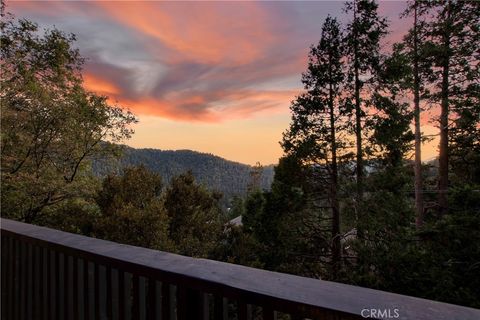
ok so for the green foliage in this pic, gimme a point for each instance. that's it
(282, 223)
(254, 213)
(455, 245)
(195, 216)
(317, 138)
(287, 224)
(391, 138)
(83, 221)
(441, 262)
(465, 140)
(132, 210)
(362, 52)
(135, 208)
(363, 35)
(237, 208)
(51, 126)
(239, 247)
(230, 178)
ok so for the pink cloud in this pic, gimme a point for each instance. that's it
(225, 33)
(213, 61)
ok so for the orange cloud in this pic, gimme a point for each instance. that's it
(221, 34)
(183, 64)
(209, 105)
(196, 108)
(245, 103)
(168, 110)
(96, 84)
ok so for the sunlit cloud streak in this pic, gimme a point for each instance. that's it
(187, 61)
(200, 64)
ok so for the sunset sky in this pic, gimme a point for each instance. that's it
(214, 77)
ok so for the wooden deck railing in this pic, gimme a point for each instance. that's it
(50, 274)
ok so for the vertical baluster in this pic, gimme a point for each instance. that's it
(48, 284)
(181, 303)
(66, 287)
(57, 299)
(35, 282)
(268, 313)
(13, 256)
(16, 283)
(152, 300)
(121, 295)
(76, 315)
(25, 284)
(193, 304)
(86, 289)
(165, 301)
(220, 308)
(11, 279)
(18, 280)
(21, 281)
(5, 259)
(142, 297)
(108, 284)
(128, 296)
(31, 287)
(13, 266)
(18, 277)
(41, 285)
(96, 276)
(206, 306)
(135, 297)
(244, 311)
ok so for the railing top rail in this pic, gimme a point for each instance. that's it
(247, 283)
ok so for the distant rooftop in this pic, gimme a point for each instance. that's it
(237, 221)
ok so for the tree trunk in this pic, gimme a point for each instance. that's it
(358, 135)
(418, 135)
(443, 156)
(358, 125)
(336, 246)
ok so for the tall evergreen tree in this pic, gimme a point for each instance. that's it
(391, 137)
(418, 134)
(408, 68)
(316, 120)
(452, 28)
(362, 43)
(443, 30)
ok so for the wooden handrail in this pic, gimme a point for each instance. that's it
(31, 261)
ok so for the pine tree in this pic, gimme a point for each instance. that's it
(313, 136)
(452, 28)
(418, 134)
(413, 68)
(132, 210)
(194, 214)
(464, 125)
(362, 43)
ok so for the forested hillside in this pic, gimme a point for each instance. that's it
(350, 200)
(218, 174)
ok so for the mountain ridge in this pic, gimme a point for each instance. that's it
(231, 178)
